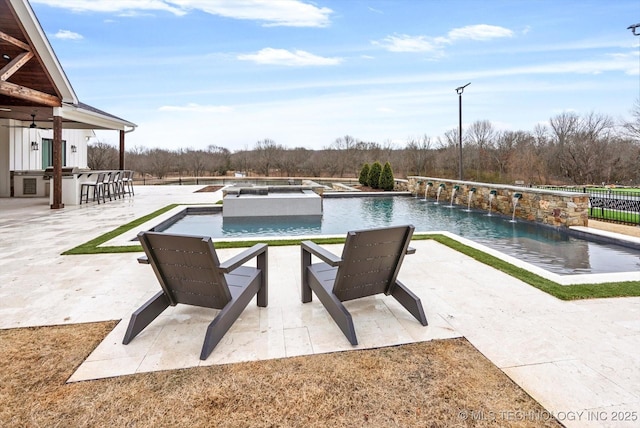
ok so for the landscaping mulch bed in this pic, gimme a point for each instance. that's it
(209, 189)
(440, 383)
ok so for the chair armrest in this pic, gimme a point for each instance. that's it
(237, 261)
(143, 260)
(326, 256)
(410, 250)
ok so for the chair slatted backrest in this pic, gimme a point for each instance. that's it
(115, 181)
(371, 260)
(187, 268)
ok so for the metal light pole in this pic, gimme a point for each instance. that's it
(635, 29)
(459, 91)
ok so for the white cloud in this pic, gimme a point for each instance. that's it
(406, 43)
(290, 13)
(479, 32)
(67, 35)
(574, 67)
(193, 107)
(295, 58)
(120, 6)
(626, 58)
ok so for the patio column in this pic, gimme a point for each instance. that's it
(57, 162)
(121, 149)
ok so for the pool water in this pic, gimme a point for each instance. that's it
(550, 248)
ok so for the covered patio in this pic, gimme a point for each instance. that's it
(37, 97)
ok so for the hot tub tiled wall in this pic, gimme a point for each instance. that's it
(549, 207)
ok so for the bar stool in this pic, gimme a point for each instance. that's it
(97, 187)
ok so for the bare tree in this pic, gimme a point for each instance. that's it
(240, 160)
(388, 147)
(349, 160)
(195, 162)
(293, 160)
(480, 138)
(313, 164)
(506, 143)
(561, 126)
(161, 162)
(564, 126)
(623, 166)
(267, 154)
(101, 155)
(137, 160)
(331, 162)
(526, 157)
(218, 160)
(366, 152)
(179, 163)
(418, 156)
(632, 128)
(583, 146)
(447, 155)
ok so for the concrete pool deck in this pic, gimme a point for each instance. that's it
(580, 359)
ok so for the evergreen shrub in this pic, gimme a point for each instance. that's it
(386, 177)
(374, 175)
(364, 175)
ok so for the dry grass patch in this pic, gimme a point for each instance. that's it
(422, 384)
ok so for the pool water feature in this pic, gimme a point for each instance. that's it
(552, 249)
(267, 201)
(469, 198)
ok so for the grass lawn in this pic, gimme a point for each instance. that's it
(614, 215)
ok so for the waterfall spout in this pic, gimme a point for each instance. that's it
(453, 195)
(426, 189)
(471, 192)
(438, 193)
(492, 195)
(515, 199)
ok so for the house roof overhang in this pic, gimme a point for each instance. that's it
(32, 81)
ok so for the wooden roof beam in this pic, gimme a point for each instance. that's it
(14, 41)
(17, 91)
(15, 64)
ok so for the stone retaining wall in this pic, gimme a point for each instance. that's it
(551, 207)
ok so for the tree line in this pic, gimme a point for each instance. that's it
(569, 149)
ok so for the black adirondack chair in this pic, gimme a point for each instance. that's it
(190, 273)
(369, 265)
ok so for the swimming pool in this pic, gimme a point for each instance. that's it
(552, 249)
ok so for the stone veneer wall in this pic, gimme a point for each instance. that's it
(554, 208)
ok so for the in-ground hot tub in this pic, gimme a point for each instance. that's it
(263, 201)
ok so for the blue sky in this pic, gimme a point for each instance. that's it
(192, 73)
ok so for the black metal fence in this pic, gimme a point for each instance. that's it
(609, 204)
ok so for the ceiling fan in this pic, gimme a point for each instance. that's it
(32, 125)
